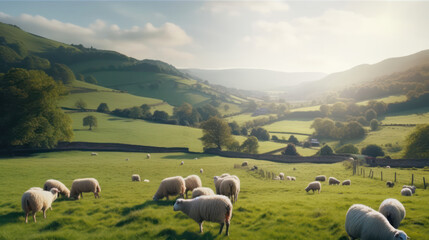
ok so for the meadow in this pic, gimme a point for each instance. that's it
(266, 209)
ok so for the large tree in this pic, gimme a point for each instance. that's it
(372, 150)
(62, 73)
(90, 121)
(418, 143)
(250, 145)
(29, 113)
(216, 133)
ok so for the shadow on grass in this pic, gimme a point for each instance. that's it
(11, 217)
(114, 119)
(172, 234)
(185, 156)
(127, 211)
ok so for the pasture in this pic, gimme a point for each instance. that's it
(266, 209)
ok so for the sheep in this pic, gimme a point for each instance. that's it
(94, 154)
(126, 159)
(321, 178)
(225, 175)
(289, 178)
(365, 223)
(201, 171)
(199, 191)
(148, 156)
(245, 164)
(406, 192)
(182, 162)
(191, 182)
(346, 183)
(254, 168)
(412, 188)
(207, 208)
(387, 166)
(282, 176)
(293, 178)
(277, 178)
(390, 184)
(230, 187)
(146, 180)
(135, 178)
(36, 200)
(171, 186)
(36, 189)
(218, 180)
(393, 210)
(79, 186)
(314, 186)
(294, 169)
(333, 181)
(52, 183)
(195, 158)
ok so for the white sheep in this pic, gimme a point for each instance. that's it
(393, 210)
(314, 186)
(214, 208)
(333, 181)
(245, 164)
(293, 178)
(36, 200)
(230, 187)
(36, 188)
(365, 223)
(346, 182)
(94, 154)
(387, 166)
(135, 178)
(182, 162)
(406, 192)
(282, 176)
(200, 191)
(201, 171)
(412, 188)
(390, 184)
(146, 180)
(148, 156)
(52, 183)
(195, 158)
(289, 178)
(171, 186)
(225, 175)
(277, 178)
(192, 182)
(321, 178)
(79, 186)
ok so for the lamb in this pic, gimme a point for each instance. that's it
(52, 183)
(314, 186)
(365, 223)
(201, 171)
(171, 186)
(321, 178)
(94, 154)
(277, 178)
(387, 166)
(135, 178)
(207, 208)
(245, 164)
(192, 182)
(393, 210)
(79, 186)
(199, 191)
(412, 188)
(36, 200)
(282, 176)
(230, 187)
(390, 184)
(148, 156)
(346, 183)
(146, 180)
(333, 181)
(406, 192)
(182, 162)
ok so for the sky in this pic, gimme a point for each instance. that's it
(289, 36)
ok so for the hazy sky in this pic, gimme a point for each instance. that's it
(324, 36)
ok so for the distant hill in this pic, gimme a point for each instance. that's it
(253, 79)
(356, 76)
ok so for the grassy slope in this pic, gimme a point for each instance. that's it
(266, 209)
(242, 118)
(294, 126)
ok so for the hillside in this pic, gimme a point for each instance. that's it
(357, 75)
(253, 79)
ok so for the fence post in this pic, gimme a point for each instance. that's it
(361, 171)
(424, 182)
(395, 176)
(381, 175)
(412, 179)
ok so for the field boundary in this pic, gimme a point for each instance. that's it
(404, 163)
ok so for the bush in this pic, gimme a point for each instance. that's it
(290, 150)
(261, 134)
(372, 150)
(274, 138)
(293, 139)
(374, 124)
(103, 108)
(326, 150)
(348, 148)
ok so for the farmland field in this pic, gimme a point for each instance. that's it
(266, 209)
(290, 126)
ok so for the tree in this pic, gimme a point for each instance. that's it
(90, 121)
(261, 134)
(184, 114)
(235, 129)
(372, 150)
(34, 62)
(146, 111)
(370, 114)
(293, 139)
(348, 148)
(103, 108)
(290, 150)
(226, 107)
(216, 133)
(352, 130)
(250, 145)
(244, 131)
(324, 127)
(339, 110)
(234, 146)
(326, 150)
(160, 116)
(91, 79)
(136, 113)
(80, 104)
(274, 138)
(61, 73)
(207, 111)
(417, 143)
(29, 113)
(374, 124)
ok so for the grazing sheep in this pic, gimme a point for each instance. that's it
(135, 178)
(218, 180)
(346, 183)
(182, 162)
(195, 158)
(245, 164)
(387, 166)
(94, 154)
(277, 178)
(294, 169)
(146, 180)
(282, 176)
(126, 159)
(36, 189)
(293, 178)
(406, 192)
(230, 187)
(225, 175)
(393, 210)
(148, 156)
(202, 191)
(390, 184)
(201, 171)
(36, 200)
(412, 188)
(52, 183)
(321, 178)
(314, 186)
(254, 168)
(79, 186)
(207, 208)
(192, 182)
(333, 181)
(171, 186)
(365, 223)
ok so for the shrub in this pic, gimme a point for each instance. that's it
(103, 108)
(290, 150)
(348, 148)
(372, 150)
(326, 150)
(374, 124)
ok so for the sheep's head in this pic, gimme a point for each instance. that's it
(401, 235)
(307, 189)
(54, 191)
(178, 205)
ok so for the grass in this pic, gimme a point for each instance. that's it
(290, 126)
(266, 209)
(421, 116)
(387, 100)
(245, 117)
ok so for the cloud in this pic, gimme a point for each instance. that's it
(236, 8)
(148, 41)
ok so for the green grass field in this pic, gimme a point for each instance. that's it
(293, 126)
(266, 209)
(245, 117)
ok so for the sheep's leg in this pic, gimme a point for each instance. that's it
(167, 198)
(81, 195)
(26, 217)
(227, 229)
(186, 194)
(221, 228)
(44, 213)
(34, 216)
(201, 227)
